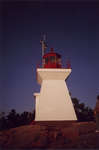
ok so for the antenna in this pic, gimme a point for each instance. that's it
(43, 43)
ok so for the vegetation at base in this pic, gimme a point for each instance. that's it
(84, 113)
(14, 119)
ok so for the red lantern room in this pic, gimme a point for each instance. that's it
(52, 60)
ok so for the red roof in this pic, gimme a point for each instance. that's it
(52, 54)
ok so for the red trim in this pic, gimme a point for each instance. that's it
(52, 65)
(52, 54)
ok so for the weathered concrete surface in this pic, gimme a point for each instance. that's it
(79, 135)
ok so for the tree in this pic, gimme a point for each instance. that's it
(83, 113)
(12, 118)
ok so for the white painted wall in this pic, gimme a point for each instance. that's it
(36, 96)
(53, 103)
(52, 74)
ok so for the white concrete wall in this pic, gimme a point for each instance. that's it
(36, 96)
(52, 74)
(54, 102)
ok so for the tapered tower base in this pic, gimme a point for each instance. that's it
(53, 103)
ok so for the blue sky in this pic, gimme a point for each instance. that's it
(72, 30)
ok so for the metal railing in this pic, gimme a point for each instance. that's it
(66, 66)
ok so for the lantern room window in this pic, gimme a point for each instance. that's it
(46, 60)
(52, 59)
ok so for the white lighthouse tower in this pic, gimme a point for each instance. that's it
(53, 103)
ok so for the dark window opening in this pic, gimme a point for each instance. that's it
(52, 59)
(46, 60)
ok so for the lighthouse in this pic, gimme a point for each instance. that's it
(53, 103)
